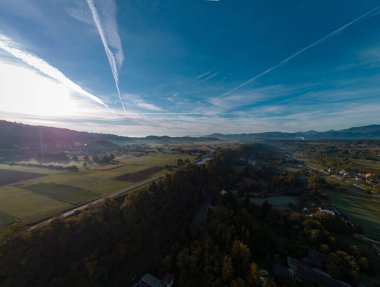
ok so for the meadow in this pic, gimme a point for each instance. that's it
(38, 193)
(362, 208)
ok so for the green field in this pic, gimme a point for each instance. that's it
(64, 193)
(7, 219)
(278, 202)
(27, 205)
(38, 193)
(362, 208)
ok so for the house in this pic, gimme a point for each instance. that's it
(317, 259)
(343, 173)
(368, 175)
(168, 280)
(308, 270)
(306, 211)
(280, 271)
(326, 211)
(203, 161)
(149, 280)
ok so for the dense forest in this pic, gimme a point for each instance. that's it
(158, 230)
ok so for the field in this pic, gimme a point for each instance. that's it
(28, 206)
(11, 176)
(368, 165)
(34, 194)
(108, 167)
(140, 175)
(278, 202)
(362, 208)
(64, 193)
(7, 219)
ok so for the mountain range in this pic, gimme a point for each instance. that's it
(12, 133)
(364, 132)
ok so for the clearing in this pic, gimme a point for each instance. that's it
(278, 202)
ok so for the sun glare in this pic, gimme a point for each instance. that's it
(25, 91)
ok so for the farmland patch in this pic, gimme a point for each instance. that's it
(140, 175)
(12, 176)
(64, 193)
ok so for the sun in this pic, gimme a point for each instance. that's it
(25, 91)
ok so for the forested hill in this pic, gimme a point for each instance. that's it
(12, 133)
(364, 132)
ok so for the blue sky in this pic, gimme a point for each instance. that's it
(190, 67)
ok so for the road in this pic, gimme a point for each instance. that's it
(369, 240)
(88, 204)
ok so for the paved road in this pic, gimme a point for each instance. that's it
(88, 204)
(370, 240)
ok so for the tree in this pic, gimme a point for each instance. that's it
(363, 263)
(227, 268)
(241, 254)
(254, 275)
(343, 266)
(180, 162)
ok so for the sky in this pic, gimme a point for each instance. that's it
(190, 67)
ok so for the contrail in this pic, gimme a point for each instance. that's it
(109, 53)
(44, 67)
(303, 50)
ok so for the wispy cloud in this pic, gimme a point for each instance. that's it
(7, 45)
(203, 75)
(208, 77)
(138, 102)
(108, 32)
(371, 13)
(147, 106)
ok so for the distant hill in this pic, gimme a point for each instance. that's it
(365, 132)
(12, 134)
